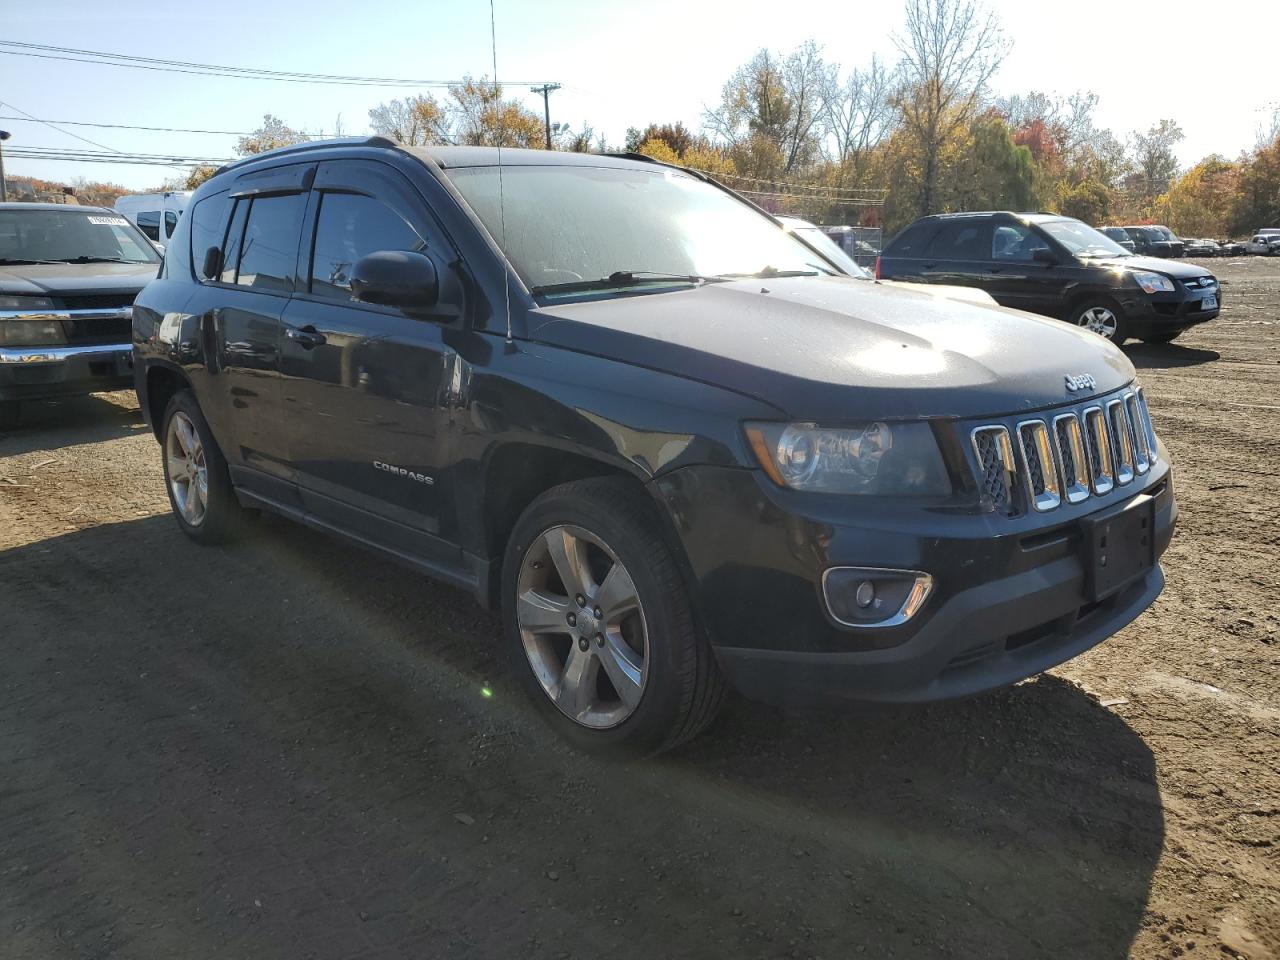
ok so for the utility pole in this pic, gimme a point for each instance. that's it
(545, 90)
(4, 187)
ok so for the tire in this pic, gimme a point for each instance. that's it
(1162, 337)
(1092, 314)
(605, 523)
(212, 515)
(10, 414)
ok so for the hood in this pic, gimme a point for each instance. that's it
(948, 291)
(835, 348)
(1170, 268)
(75, 279)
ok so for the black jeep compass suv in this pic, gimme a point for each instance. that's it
(1058, 267)
(667, 440)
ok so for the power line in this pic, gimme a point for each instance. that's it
(52, 127)
(126, 126)
(77, 55)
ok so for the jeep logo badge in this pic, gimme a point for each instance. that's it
(1080, 381)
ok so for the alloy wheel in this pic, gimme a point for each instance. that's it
(582, 626)
(188, 472)
(1100, 320)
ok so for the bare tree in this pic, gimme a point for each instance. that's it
(949, 54)
(859, 109)
(273, 133)
(413, 121)
(776, 101)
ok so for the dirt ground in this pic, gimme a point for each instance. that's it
(285, 749)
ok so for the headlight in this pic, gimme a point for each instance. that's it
(31, 333)
(869, 458)
(1154, 282)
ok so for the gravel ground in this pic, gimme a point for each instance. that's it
(284, 749)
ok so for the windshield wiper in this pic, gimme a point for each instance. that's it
(772, 273)
(89, 259)
(19, 260)
(622, 278)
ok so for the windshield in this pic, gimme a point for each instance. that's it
(1082, 240)
(816, 238)
(574, 223)
(65, 234)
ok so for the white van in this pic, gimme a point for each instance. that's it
(155, 214)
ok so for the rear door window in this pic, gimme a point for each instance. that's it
(170, 222)
(269, 248)
(964, 240)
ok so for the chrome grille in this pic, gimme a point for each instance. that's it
(1098, 440)
(1122, 441)
(1138, 434)
(1072, 457)
(1081, 452)
(1037, 457)
(998, 470)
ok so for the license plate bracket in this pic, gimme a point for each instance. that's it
(1118, 546)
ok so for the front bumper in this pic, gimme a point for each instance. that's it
(1168, 312)
(31, 373)
(1009, 597)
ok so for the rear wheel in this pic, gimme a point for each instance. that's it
(10, 414)
(195, 474)
(599, 625)
(1102, 317)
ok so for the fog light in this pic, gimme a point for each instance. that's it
(866, 593)
(874, 597)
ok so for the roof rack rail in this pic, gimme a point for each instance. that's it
(304, 146)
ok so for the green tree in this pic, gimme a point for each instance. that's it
(1154, 161)
(1088, 200)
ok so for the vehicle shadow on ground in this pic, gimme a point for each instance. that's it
(1168, 356)
(51, 424)
(287, 748)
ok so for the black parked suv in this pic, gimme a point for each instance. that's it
(667, 440)
(68, 276)
(1058, 267)
(1151, 242)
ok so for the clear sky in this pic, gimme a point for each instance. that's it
(1210, 66)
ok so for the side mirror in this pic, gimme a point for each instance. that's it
(212, 265)
(396, 278)
(1044, 255)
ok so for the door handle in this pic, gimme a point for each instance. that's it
(307, 337)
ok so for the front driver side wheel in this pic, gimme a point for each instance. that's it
(599, 625)
(1102, 317)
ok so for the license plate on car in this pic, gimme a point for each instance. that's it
(1119, 546)
(1209, 303)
